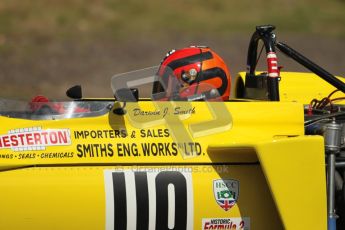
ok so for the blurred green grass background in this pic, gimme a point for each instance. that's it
(48, 45)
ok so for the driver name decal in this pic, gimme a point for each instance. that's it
(35, 138)
(178, 110)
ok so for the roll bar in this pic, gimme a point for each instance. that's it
(318, 70)
(266, 35)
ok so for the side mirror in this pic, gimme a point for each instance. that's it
(127, 95)
(74, 92)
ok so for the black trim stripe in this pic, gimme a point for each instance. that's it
(190, 60)
(217, 73)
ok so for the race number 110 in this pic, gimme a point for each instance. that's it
(148, 200)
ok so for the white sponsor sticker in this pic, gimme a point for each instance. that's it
(35, 138)
(237, 223)
(149, 199)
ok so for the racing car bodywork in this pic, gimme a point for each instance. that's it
(127, 164)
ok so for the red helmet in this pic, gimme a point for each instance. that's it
(193, 73)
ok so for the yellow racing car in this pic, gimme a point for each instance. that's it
(187, 157)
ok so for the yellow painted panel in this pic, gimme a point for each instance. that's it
(75, 197)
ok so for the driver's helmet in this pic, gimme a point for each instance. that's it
(193, 74)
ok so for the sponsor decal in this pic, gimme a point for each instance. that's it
(226, 192)
(100, 134)
(157, 148)
(237, 223)
(35, 138)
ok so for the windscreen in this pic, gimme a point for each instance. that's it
(53, 109)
